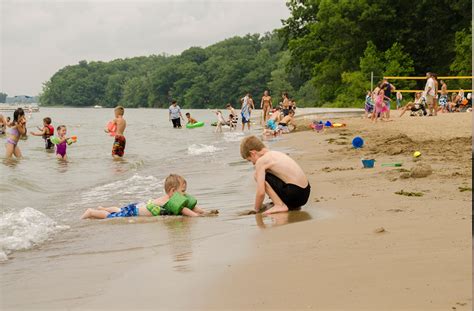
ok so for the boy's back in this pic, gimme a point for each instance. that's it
(121, 125)
(284, 167)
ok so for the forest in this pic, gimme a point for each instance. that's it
(323, 55)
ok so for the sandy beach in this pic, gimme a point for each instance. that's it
(380, 250)
(364, 248)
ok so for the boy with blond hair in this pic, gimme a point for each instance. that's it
(277, 175)
(118, 148)
(175, 202)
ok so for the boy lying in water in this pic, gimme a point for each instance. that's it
(277, 175)
(174, 202)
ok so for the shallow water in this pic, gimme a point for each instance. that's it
(42, 198)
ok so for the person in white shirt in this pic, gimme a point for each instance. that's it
(175, 114)
(430, 92)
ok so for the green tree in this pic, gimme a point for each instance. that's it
(462, 64)
(279, 79)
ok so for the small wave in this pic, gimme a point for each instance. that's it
(233, 136)
(25, 229)
(197, 149)
(133, 188)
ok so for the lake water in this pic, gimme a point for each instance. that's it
(42, 198)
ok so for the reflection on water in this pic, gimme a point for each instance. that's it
(11, 162)
(280, 219)
(180, 238)
(62, 165)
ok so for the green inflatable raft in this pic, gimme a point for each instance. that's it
(197, 124)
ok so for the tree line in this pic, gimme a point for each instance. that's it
(323, 54)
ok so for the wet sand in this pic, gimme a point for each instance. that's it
(360, 246)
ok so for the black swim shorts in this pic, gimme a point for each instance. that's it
(292, 195)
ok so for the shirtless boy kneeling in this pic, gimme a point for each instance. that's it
(277, 175)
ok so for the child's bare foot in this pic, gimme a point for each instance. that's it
(276, 209)
(266, 206)
(86, 214)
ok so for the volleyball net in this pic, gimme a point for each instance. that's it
(424, 78)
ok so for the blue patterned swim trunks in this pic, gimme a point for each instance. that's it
(130, 210)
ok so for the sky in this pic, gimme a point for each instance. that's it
(40, 37)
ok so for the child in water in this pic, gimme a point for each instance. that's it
(61, 146)
(191, 120)
(175, 189)
(271, 128)
(47, 131)
(118, 148)
(277, 175)
(14, 130)
(220, 121)
(286, 121)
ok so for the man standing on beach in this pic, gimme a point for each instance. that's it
(429, 92)
(443, 99)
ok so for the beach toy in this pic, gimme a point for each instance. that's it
(319, 127)
(111, 127)
(197, 124)
(416, 154)
(176, 203)
(338, 125)
(191, 201)
(328, 124)
(368, 163)
(71, 140)
(357, 142)
(55, 140)
(397, 164)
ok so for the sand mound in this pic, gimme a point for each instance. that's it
(421, 170)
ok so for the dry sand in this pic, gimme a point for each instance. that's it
(372, 250)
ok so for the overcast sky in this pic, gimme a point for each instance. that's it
(40, 37)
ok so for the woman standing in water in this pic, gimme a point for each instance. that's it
(266, 105)
(175, 115)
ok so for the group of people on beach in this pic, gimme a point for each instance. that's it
(432, 100)
(276, 120)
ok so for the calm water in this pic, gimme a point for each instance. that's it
(42, 198)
